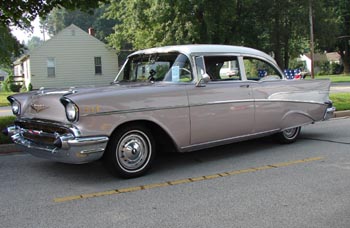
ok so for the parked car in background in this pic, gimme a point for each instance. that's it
(164, 97)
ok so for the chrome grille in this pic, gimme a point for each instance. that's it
(41, 132)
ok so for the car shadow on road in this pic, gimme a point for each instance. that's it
(164, 164)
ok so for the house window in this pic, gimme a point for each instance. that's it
(51, 65)
(98, 65)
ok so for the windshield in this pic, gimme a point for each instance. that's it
(172, 67)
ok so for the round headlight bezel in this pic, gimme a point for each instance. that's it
(15, 106)
(71, 109)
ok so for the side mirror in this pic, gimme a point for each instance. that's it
(204, 80)
(204, 77)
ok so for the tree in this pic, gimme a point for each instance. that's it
(60, 18)
(21, 13)
(342, 10)
(9, 46)
(271, 25)
(146, 23)
(34, 42)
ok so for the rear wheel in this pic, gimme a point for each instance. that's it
(130, 151)
(289, 135)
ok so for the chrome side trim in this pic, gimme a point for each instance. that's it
(289, 101)
(195, 105)
(225, 102)
(204, 145)
(134, 110)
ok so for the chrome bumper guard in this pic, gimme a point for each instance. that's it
(329, 111)
(65, 148)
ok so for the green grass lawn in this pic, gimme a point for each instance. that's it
(341, 101)
(334, 78)
(3, 98)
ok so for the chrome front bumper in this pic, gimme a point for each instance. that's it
(66, 148)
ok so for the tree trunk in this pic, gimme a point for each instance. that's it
(346, 63)
(344, 51)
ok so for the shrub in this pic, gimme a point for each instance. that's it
(15, 87)
(336, 68)
(5, 84)
(9, 85)
(4, 122)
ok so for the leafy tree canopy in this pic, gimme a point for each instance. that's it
(280, 27)
(60, 18)
(9, 46)
(20, 13)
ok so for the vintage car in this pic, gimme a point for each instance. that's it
(168, 97)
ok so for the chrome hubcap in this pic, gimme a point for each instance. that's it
(290, 133)
(133, 150)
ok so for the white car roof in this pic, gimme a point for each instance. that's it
(205, 48)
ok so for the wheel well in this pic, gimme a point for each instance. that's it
(164, 143)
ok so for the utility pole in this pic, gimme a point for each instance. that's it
(311, 39)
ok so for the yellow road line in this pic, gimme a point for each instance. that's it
(184, 181)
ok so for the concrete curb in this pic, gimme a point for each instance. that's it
(9, 149)
(12, 148)
(338, 114)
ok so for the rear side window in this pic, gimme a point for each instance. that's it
(257, 69)
(221, 68)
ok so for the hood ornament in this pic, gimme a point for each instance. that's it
(38, 107)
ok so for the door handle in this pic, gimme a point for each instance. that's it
(244, 86)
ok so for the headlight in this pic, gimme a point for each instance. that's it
(72, 110)
(15, 106)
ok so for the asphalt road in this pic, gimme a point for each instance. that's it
(257, 183)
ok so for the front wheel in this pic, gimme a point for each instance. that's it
(289, 135)
(130, 151)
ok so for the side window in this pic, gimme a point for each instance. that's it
(222, 68)
(257, 69)
(98, 65)
(51, 67)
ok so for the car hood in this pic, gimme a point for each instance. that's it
(46, 103)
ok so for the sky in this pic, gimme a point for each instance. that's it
(23, 35)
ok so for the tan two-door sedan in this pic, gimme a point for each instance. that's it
(189, 97)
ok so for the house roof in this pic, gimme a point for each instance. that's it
(21, 59)
(333, 56)
(318, 57)
(72, 26)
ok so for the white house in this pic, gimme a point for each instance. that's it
(3, 75)
(319, 59)
(71, 58)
